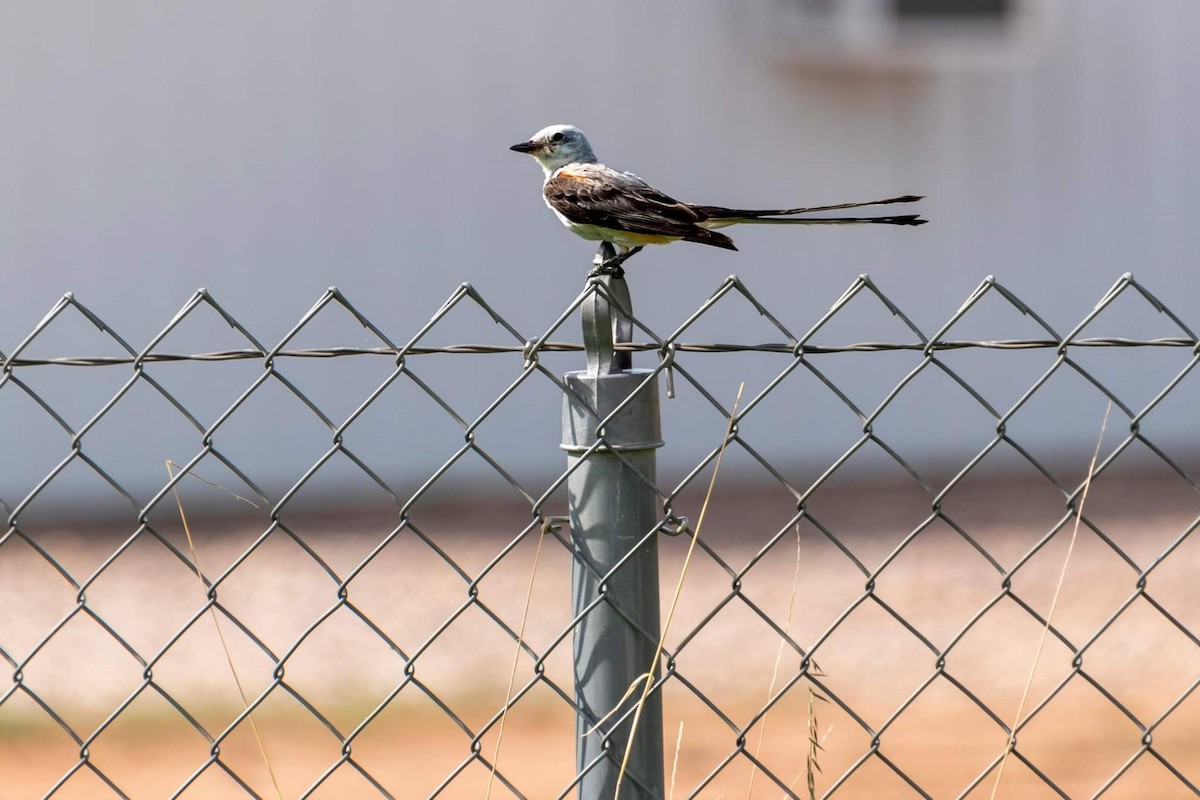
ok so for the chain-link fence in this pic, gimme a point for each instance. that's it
(377, 617)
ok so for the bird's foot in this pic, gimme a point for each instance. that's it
(612, 266)
(608, 268)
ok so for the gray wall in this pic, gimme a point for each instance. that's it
(266, 151)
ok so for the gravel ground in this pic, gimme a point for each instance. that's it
(871, 662)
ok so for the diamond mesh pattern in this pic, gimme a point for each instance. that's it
(909, 608)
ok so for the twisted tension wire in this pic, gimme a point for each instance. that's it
(782, 348)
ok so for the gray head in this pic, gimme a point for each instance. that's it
(557, 146)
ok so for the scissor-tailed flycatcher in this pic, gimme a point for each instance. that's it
(601, 204)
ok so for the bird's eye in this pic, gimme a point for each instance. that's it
(557, 137)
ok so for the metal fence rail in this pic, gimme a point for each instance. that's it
(866, 697)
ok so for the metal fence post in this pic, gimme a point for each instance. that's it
(614, 578)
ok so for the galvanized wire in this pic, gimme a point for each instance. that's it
(675, 352)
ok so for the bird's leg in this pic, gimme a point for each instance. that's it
(626, 253)
(611, 265)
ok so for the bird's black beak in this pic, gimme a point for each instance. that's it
(524, 147)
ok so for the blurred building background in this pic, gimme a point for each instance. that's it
(266, 151)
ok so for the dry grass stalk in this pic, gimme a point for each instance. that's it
(1087, 484)
(171, 465)
(646, 680)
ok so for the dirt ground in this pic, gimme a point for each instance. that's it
(933, 720)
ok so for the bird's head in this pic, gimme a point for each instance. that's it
(557, 146)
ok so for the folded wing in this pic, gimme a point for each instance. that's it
(592, 194)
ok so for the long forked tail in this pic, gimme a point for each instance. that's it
(718, 217)
(902, 219)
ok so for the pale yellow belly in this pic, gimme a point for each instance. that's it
(595, 233)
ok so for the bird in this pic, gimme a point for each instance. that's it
(601, 204)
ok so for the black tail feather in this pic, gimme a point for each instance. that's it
(902, 219)
(719, 212)
(704, 236)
